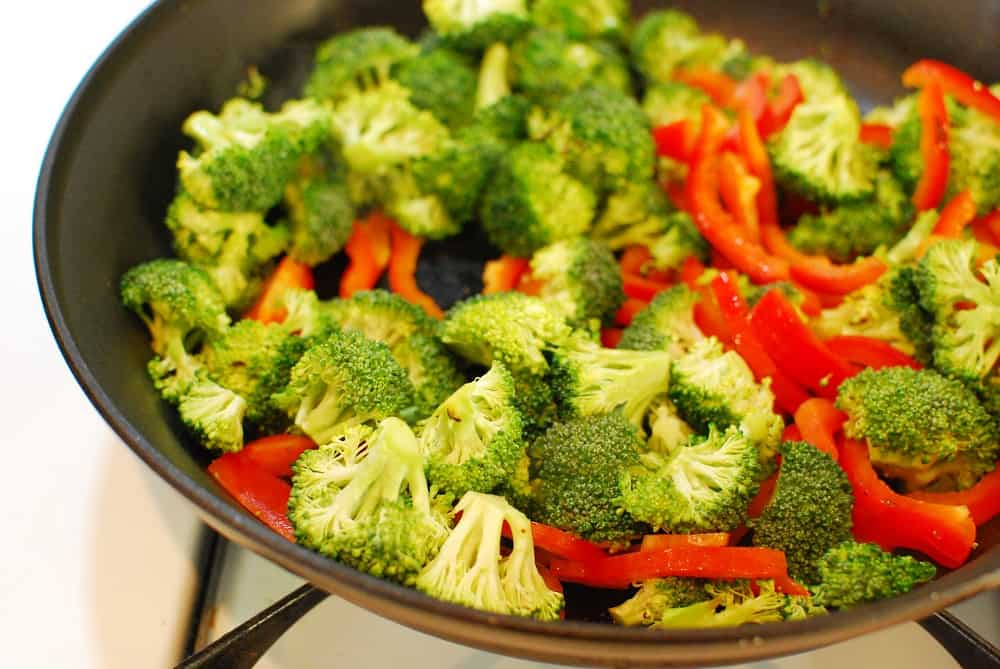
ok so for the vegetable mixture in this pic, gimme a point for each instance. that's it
(736, 357)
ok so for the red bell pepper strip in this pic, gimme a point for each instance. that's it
(759, 164)
(628, 310)
(946, 534)
(794, 348)
(782, 106)
(986, 229)
(708, 317)
(791, 433)
(827, 277)
(876, 134)
(276, 454)
(869, 352)
(503, 274)
(717, 85)
(560, 543)
(722, 562)
(676, 140)
(811, 304)
(953, 82)
(819, 421)
(364, 249)
(641, 288)
(288, 274)
(763, 496)
(262, 494)
(739, 191)
(933, 148)
(551, 582)
(958, 213)
(691, 271)
(402, 271)
(677, 193)
(610, 337)
(652, 542)
(634, 259)
(982, 499)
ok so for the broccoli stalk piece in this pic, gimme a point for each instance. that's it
(852, 573)
(475, 24)
(974, 148)
(731, 604)
(667, 41)
(441, 81)
(213, 414)
(584, 19)
(494, 76)
(703, 486)
(470, 570)
(473, 440)
(655, 597)
(581, 280)
(667, 324)
(667, 432)
(353, 508)
(343, 381)
(356, 61)
(320, 212)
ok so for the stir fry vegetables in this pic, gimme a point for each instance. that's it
(736, 348)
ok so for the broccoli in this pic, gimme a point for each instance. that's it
(473, 440)
(493, 83)
(470, 569)
(603, 135)
(518, 488)
(305, 314)
(809, 512)
(343, 381)
(734, 603)
(442, 82)
(671, 101)
(852, 573)
(858, 228)
(666, 41)
(703, 486)
(974, 149)
(667, 324)
(245, 156)
(353, 509)
(905, 250)
(921, 427)
(475, 24)
(580, 279)
(874, 311)
(213, 414)
(182, 309)
(532, 202)
(547, 65)
(640, 214)
(506, 119)
(667, 432)
(577, 483)
(656, 596)
(356, 61)
(590, 379)
(320, 212)
(817, 79)
(535, 399)
(513, 328)
(965, 311)
(584, 19)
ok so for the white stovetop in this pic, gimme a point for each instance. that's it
(99, 567)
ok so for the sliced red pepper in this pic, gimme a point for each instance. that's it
(708, 317)
(986, 229)
(739, 190)
(877, 134)
(828, 277)
(933, 148)
(954, 82)
(751, 94)
(402, 271)
(652, 542)
(262, 494)
(560, 543)
(276, 454)
(610, 337)
(958, 213)
(676, 140)
(722, 562)
(551, 582)
(717, 85)
(628, 310)
(677, 193)
(777, 243)
(759, 164)
(946, 534)
(794, 347)
(791, 433)
(634, 259)
(819, 421)
(982, 499)
(363, 269)
(763, 496)
(691, 271)
(641, 288)
(287, 275)
(869, 352)
(503, 274)
(789, 97)
(812, 304)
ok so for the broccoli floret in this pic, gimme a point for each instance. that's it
(974, 149)
(356, 61)
(732, 603)
(343, 381)
(817, 79)
(665, 41)
(475, 24)
(506, 119)
(810, 511)
(547, 65)
(532, 201)
(182, 309)
(893, 115)
(672, 101)
(590, 379)
(640, 214)
(965, 311)
(875, 311)
(353, 508)
(603, 135)
(518, 488)
(580, 279)
(473, 440)
(213, 414)
(853, 573)
(667, 432)
(921, 427)
(819, 155)
(305, 314)
(703, 486)
(577, 483)
(584, 19)
(858, 228)
(667, 324)
(535, 399)
(470, 569)
(513, 328)
(245, 156)
(656, 596)
(493, 83)
(320, 211)
(442, 82)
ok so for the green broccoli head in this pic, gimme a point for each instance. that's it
(581, 280)
(667, 324)
(473, 440)
(320, 212)
(470, 569)
(809, 512)
(671, 101)
(348, 502)
(667, 431)
(964, 310)
(213, 414)
(343, 381)
(818, 80)
(532, 201)
(921, 427)
(355, 61)
(432, 371)
(666, 41)
(547, 65)
(974, 149)
(656, 596)
(474, 24)
(602, 134)
(703, 486)
(584, 19)
(506, 119)
(536, 400)
(852, 573)
(914, 321)
(577, 483)
(731, 603)
(870, 311)
(305, 314)
(441, 81)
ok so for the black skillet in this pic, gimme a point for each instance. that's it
(108, 176)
